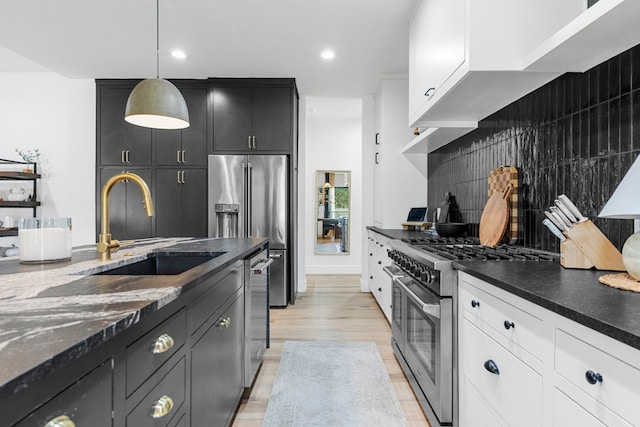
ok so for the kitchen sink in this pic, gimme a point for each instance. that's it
(160, 264)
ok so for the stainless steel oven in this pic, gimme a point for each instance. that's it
(425, 340)
(422, 339)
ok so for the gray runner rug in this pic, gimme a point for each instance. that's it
(332, 384)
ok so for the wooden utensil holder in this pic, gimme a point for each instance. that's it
(587, 247)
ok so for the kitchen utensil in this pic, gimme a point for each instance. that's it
(567, 223)
(567, 213)
(444, 209)
(497, 182)
(495, 217)
(555, 221)
(572, 208)
(556, 232)
(451, 229)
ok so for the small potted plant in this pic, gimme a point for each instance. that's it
(30, 157)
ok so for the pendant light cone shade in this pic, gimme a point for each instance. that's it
(158, 104)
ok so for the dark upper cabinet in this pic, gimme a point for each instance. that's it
(252, 119)
(186, 147)
(120, 143)
(181, 202)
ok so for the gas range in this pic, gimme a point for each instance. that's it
(430, 259)
(424, 312)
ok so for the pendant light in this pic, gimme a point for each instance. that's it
(157, 103)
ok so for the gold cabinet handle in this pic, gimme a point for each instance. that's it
(253, 138)
(224, 323)
(162, 407)
(163, 343)
(184, 157)
(249, 141)
(183, 178)
(61, 421)
(178, 156)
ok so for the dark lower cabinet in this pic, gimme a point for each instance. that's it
(216, 368)
(182, 366)
(181, 202)
(88, 402)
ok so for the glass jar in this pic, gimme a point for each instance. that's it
(43, 240)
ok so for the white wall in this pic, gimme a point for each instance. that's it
(56, 115)
(333, 141)
(400, 180)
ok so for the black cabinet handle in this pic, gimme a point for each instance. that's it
(429, 92)
(370, 277)
(379, 289)
(508, 324)
(377, 161)
(380, 262)
(491, 366)
(475, 303)
(593, 377)
(371, 254)
(377, 140)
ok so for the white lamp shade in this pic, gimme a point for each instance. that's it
(158, 104)
(625, 200)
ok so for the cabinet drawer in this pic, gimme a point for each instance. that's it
(517, 326)
(515, 392)
(170, 389)
(567, 412)
(86, 403)
(474, 412)
(618, 389)
(206, 304)
(148, 353)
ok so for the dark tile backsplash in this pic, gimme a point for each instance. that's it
(577, 135)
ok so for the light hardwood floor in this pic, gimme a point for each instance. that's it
(332, 309)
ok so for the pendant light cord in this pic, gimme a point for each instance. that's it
(158, 39)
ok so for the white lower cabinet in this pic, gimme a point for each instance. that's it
(379, 281)
(538, 368)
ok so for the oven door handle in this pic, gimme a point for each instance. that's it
(432, 310)
(387, 269)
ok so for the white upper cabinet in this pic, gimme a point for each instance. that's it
(436, 47)
(466, 57)
(594, 35)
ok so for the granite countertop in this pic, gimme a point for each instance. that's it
(52, 314)
(572, 293)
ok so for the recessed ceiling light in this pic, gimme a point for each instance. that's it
(178, 54)
(327, 54)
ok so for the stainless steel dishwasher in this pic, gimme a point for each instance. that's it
(256, 313)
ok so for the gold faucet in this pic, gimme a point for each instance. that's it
(105, 245)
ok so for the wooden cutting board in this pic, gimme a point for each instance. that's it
(497, 182)
(495, 217)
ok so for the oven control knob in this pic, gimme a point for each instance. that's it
(428, 276)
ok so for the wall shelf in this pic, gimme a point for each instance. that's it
(10, 171)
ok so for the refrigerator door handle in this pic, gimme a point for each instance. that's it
(275, 256)
(249, 198)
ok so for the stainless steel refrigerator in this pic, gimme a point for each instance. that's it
(249, 197)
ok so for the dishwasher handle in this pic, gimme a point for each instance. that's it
(262, 267)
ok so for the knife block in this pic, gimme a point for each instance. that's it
(572, 257)
(586, 245)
